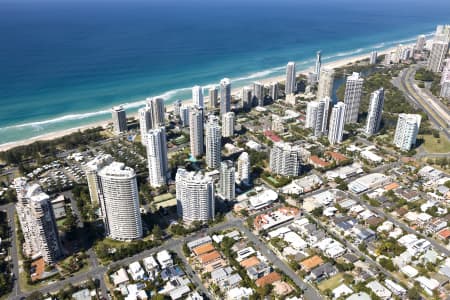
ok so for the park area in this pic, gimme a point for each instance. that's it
(435, 145)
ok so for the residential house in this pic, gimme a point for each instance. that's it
(444, 234)
(408, 195)
(423, 219)
(363, 235)
(198, 242)
(335, 251)
(359, 296)
(211, 261)
(430, 256)
(244, 253)
(323, 272)
(136, 271)
(268, 279)
(429, 285)
(341, 290)
(239, 293)
(250, 262)
(396, 233)
(220, 274)
(403, 259)
(435, 225)
(350, 258)
(151, 266)
(379, 289)
(164, 259)
(120, 277)
(230, 282)
(397, 289)
(409, 271)
(311, 263)
(202, 249)
(260, 270)
(180, 292)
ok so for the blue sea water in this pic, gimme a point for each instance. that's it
(64, 63)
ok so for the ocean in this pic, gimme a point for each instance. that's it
(65, 63)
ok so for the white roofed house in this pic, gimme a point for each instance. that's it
(341, 290)
(151, 266)
(409, 271)
(136, 271)
(428, 284)
(164, 259)
(379, 290)
(239, 293)
(435, 225)
(335, 251)
(423, 219)
(120, 277)
(395, 288)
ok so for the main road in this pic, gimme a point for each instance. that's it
(438, 114)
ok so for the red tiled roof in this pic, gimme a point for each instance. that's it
(391, 186)
(444, 233)
(273, 136)
(209, 257)
(315, 160)
(311, 263)
(202, 249)
(268, 279)
(336, 156)
(250, 262)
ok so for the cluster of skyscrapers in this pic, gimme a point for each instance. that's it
(327, 119)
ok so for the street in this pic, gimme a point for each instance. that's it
(438, 115)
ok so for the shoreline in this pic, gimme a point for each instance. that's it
(57, 134)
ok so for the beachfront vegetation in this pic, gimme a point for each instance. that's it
(6, 281)
(41, 149)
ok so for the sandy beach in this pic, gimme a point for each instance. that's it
(235, 91)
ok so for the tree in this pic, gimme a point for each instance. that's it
(413, 294)
(35, 296)
(226, 245)
(317, 212)
(157, 232)
(387, 264)
(264, 290)
(186, 250)
(70, 224)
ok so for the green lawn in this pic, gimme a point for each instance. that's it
(273, 180)
(434, 145)
(331, 283)
(113, 243)
(60, 223)
(167, 203)
(163, 197)
(180, 140)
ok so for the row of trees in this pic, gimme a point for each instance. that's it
(40, 149)
(106, 253)
(6, 280)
